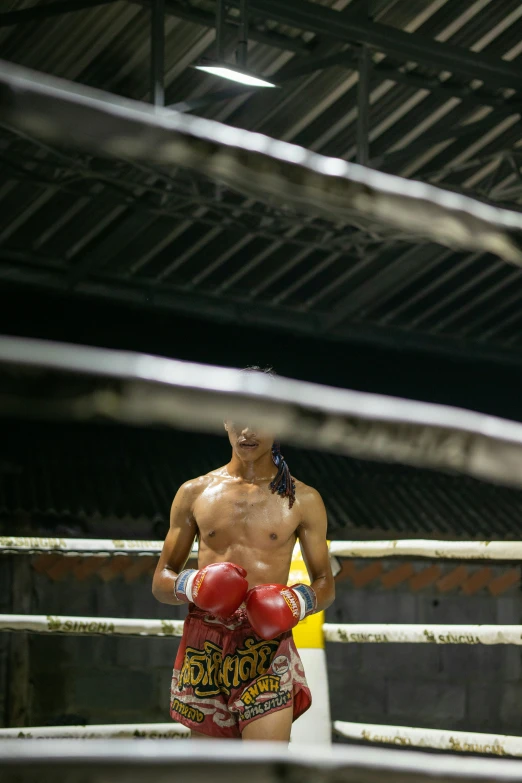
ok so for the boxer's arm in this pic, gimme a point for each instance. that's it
(178, 543)
(312, 539)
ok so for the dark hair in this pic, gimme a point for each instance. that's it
(283, 482)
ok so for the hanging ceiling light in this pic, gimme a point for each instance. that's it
(236, 73)
(233, 73)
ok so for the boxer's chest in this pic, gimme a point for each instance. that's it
(246, 513)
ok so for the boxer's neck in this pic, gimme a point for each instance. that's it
(254, 471)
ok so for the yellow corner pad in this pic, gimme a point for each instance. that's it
(309, 632)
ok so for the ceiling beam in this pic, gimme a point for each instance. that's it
(422, 144)
(356, 28)
(189, 13)
(223, 309)
(24, 15)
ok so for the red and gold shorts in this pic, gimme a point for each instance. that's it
(225, 676)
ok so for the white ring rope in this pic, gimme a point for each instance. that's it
(267, 169)
(90, 626)
(144, 389)
(156, 762)
(356, 633)
(383, 633)
(94, 547)
(450, 550)
(457, 741)
(105, 547)
(114, 730)
(403, 736)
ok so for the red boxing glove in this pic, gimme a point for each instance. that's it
(219, 588)
(275, 609)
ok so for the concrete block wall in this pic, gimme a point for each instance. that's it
(467, 687)
(91, 679)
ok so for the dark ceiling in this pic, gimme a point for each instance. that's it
(439, 99)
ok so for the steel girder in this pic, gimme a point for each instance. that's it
(222, 309)
(24, 15)
(356, 28)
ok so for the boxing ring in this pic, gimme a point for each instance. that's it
(354, 633)
(143, 390)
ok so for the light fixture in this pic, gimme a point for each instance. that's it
(238, 73)
(234, 74)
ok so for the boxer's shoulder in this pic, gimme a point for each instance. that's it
(190, 490)
(306, 495)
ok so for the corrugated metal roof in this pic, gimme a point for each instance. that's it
(98, 472)
(170, 239)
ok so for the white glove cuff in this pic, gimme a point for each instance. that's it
(184, 583)
(302, 605)
(307, 600)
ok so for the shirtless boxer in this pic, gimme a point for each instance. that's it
(237, 672)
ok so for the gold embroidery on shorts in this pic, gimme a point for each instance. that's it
(208, 673)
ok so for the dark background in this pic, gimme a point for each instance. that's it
(493, 387)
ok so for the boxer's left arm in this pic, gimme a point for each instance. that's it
(312, 539)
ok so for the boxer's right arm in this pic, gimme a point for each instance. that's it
(178, 543)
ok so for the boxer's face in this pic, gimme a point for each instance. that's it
(248, 443)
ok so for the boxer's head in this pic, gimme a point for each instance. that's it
(250, 444)
(248, 441)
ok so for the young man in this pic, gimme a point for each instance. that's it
(237, 672)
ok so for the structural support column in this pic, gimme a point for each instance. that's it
(18, 694)
(157, 52)
(242, 47)
(363, 107)
(220, 30)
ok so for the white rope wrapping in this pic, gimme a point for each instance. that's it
(152, 390)
(266, 169)
(381, 633)
(457, 741)
(357, 633)
(157, 762)
(451, 550)
(90, 626)
(116, 731)
(100, 547)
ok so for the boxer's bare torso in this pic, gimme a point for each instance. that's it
(244, 523)
(236, 518)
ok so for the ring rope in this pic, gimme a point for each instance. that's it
(356, 633)
(449, 550)
(104, 547)
(457, 741)
(90, 626)
(59, 111)
(398, 633)
(114, 730)
(94, 547)
(153, 390)
(403, 736)
(251, 760)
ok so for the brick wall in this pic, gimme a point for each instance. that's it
(112, 680)
(467, 687)
(101, 679)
